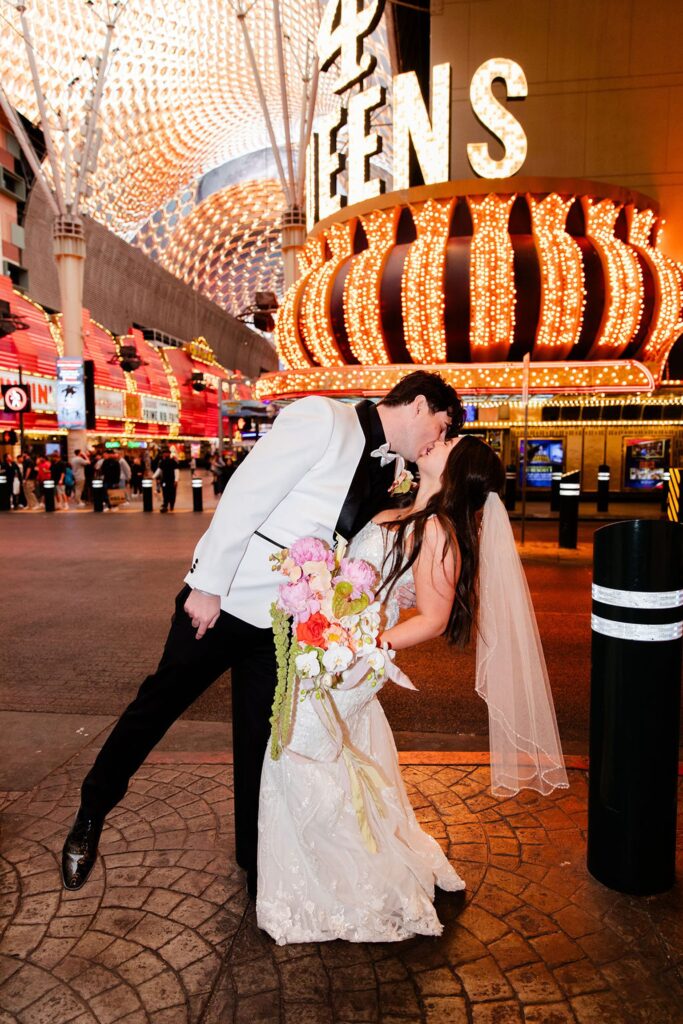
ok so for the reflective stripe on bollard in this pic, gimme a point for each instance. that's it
(197, 495)
(97, 495)
(636, 655)
(570, 490)
(603, 488)
(5, 497)
(555, 478)
(147, 495)
(49, 493)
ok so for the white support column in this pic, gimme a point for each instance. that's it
(69, 253)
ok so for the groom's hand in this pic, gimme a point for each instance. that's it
(203, 610)
(405, 596)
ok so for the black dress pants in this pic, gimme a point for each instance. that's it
(188, 667)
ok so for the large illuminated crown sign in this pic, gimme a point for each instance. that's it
(464, 276)
(466, 280)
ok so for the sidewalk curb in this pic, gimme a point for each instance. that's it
(574, 762)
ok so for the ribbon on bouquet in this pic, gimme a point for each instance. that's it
(358, 672)
(365, 778)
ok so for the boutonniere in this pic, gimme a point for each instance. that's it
(403, 483)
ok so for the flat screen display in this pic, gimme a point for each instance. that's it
(545, 456)
(645, 461)
(71, 394)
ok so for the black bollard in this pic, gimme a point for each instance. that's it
(147, 495)
(97, 495)
(603, 488)
(197, 497)
(49, 495)
(5, 497)
(510, 488)
(674, 508)
(555, 490)
(570, 490)
(635, 704)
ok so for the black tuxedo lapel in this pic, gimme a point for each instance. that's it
(368, 492)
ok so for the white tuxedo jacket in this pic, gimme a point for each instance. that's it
(293, 484)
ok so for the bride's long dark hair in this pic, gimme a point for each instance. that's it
(471, 472)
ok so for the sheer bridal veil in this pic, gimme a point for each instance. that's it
(511, 673)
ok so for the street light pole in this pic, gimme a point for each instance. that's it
(525, 400)
(220, 415)
(21, 417)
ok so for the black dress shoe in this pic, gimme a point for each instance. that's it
(251, 883)
(80, 850)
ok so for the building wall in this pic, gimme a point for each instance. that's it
(123, 286)
(585, 447)
(9, 235)
(605, 80)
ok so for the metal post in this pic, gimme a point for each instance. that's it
(97, 495)
(220, 414)
(510, 487)
(635, 702)
(21, 417)
(570, 490)
(525, 460)
(197, 497)
(49, 494)
(147, 495)
(555, 490)
(666, 476)
(5, 497)
(603, 487)
(674, 508)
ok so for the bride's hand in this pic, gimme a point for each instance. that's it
(203, 610)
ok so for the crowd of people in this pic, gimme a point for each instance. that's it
(121, 475)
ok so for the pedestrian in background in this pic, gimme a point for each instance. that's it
(29, 472)
(79, 465)
(12, 470)
(57, 474)
(44, 472)
(108, 469)
(136, 473)
(125, 474)
(168, 474)
(217, 466)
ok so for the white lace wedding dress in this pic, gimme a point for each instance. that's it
(318, 878)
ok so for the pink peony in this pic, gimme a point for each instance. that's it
(310, 549)
(297, 599)
(361, 575)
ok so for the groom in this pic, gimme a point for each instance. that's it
(318, 472)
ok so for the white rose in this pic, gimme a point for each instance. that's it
(337, 658)
(307, 665)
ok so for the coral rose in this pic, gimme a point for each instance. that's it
(312, 631)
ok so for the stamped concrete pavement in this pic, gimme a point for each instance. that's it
(163, 933)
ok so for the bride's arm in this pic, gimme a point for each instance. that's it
(435, 579)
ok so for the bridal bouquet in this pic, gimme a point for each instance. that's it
(326, 622)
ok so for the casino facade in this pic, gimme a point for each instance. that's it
(493, 189)
(534, 209)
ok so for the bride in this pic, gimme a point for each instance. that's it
(341, 854)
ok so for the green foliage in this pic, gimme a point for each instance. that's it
(343, 605)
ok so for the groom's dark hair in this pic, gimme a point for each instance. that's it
(440, 396)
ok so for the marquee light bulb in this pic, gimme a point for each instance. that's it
(422, 288)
